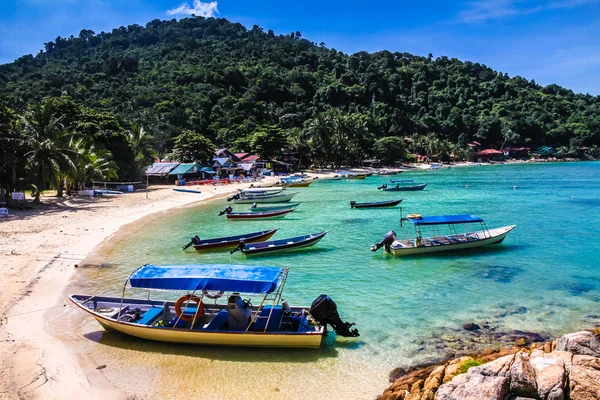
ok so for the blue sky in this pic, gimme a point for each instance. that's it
(555, 41)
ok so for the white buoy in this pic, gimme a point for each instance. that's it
(573, 197)
(515, 187)
(466, 186)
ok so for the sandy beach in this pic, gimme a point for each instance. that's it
(41, 251)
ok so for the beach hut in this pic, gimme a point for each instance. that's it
(190, 171)
(488, 155)
(159, 171)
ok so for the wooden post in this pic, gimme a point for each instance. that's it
(146, 185)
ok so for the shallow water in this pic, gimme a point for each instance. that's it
(543, 278)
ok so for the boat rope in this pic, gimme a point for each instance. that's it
(4, 319)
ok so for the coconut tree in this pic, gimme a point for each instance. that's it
(92, 164)
(141, 144)
(319, 132)
(49, 155)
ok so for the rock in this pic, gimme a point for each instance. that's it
(396, 373)
(522, 376)
(550, 376)
(499, 367)
(584, 383)
(434, 380)
(452, 368)
(587, 362)
(471, 327)
(581, 343)
(474, 386)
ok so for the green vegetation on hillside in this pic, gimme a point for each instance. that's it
(214, 81)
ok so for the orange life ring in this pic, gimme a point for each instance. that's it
(186, 299)
(212, 296)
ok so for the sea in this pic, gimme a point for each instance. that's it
(544, 279)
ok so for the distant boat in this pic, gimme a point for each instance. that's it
(255, 215)
(186, 190)
(276, 198)
(273, 208)
(388, 172)
(214, 308)
(280, 245)
(422, 244)
(299, 184)
(379, 204)
(402, 188)
(260, 191)
(435, 166)
(228, 242)
(106, 191)
(356, 176)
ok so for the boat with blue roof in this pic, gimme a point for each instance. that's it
(215, 308)
(439, 233)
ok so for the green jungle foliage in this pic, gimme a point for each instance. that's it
(137, 92)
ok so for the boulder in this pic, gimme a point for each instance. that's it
(474, 386)
(434, 380)
(522, 376)
(581, 343)
(452, 368)
(550, 375)
(584, 383)
(471, 327)
(499, 367)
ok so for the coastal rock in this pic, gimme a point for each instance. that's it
(452, 368)
(584, 383)
(434, 380)
(396, 373)
(474, 386)
(582, 343)
(471, 327)
(550, 375)
(522, 376)
(499, 367)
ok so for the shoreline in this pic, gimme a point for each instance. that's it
(41, 250)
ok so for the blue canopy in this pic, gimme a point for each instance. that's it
(228, 278)
(446, 219)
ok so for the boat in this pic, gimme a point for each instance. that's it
(435, 166)
(298, 184)
(214, 308)
(255, 215)
(402, 187)
(256, 208)
(378, 204)
(261, 191)
(227, 242)
(276, 198)
(280, 245)
(422, 243)
(388, 172)
(356, 176)
(186, 190)
(107, 191)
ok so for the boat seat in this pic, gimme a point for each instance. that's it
(274, 322)
(150, 316)
(435, 242)
(219, 321)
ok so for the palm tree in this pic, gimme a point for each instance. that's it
(92, 164)
(48, 154)
(319, 131)
(141, 144)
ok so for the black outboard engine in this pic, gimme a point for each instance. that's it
(384, 186)
(226, 211)
(239, 247)
(352, 203)
(386, 242)
(324, 310)
(234, 197)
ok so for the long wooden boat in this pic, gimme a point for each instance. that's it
(389, 172)
(273, 208)
(298, 184)
(356, 176)
(228, 242)
(186, 190)
(260, 191)
(422, 243)
(242, 215)
(378, 204)
(214, 309)
(402, 188)
(281, 245)
(278, 198)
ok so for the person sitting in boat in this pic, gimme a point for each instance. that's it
(253, 205)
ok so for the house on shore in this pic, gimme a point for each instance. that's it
(488, 155)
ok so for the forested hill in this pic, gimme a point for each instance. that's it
(255, 91)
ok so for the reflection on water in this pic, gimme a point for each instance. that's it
(544, 278)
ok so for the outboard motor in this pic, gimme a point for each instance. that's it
(352, 203)
(384, 186)
(239, 247)
(240, 312)
(234, 197)
(226, 211)
(386, 242)
(193, 240)
(324, 310)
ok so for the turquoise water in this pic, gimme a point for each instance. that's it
(544, 277)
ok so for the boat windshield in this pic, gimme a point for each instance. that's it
(215, 277)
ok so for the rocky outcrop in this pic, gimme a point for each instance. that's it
(567, 368)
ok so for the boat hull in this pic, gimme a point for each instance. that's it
(250, 250)
(406, 188)
(379, 204)
(495, 236)
(275, 208)
(283, 198)
(259, 215)
(299, 184)
(233, 242)
(214, 338)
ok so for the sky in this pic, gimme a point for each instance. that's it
(555, 41)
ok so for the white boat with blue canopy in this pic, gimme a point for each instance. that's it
(439, 233)
(215, 308)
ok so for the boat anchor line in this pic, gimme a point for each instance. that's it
(4, 319)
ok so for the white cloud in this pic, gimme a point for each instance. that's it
(199, 8)
(483, 10)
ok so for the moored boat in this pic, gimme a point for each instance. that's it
(213, 310)
(423, 243)
(186, 190)
(223, 243)
(378, 204)
(256, 208)
(260, 191)
(276, 198)
(280, 245)
(403, 186)
(255, 215)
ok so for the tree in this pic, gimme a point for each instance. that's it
(141, 144)
(267, 141)
(192, 146)
(48, 153)
(390, 149)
